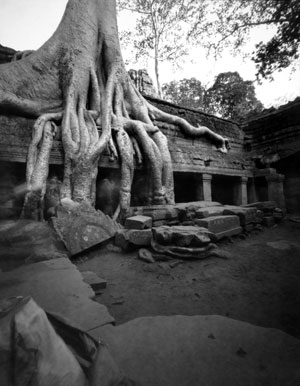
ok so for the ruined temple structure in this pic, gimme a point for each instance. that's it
(262, 164)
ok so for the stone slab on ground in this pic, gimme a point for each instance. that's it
(58, 287)
(202, 350)
(138, 222)
(221, 226)
(94, 280)
(82, 227)
(29, 240)
(246, 215)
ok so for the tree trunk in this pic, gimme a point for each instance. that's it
(78, 80)
(156, 65)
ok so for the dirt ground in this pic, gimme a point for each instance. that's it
(258, 283)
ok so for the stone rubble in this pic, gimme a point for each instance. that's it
(187, 230)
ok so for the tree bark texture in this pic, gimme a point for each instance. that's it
(77, 80)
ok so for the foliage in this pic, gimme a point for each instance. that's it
(229, 22)
(161, 29)
(185, 92)
(231, 97)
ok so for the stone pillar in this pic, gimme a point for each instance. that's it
(206, 181)
(252, 191)
(199, 187)
(275, 189)
(241, 193)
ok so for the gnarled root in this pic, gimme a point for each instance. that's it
(120, 107)
(38, 165)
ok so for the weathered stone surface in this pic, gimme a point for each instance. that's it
(182, 236)
(259, 216)
(138, 222)
(145, 255)
(93, 280)
(249, 227)
(265, 206)
(221, 226)
(246, 215)
(182, 242)
(209, 211)
(130, 238)
(57, 286)
(167, 213)
(183, 252)
(194, 205)
(26, 239)
(81, 227)
(202, 350)
(268, 221)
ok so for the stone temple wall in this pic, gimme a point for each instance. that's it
(264, 152)
(273, 139)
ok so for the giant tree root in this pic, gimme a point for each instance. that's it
(78, 80)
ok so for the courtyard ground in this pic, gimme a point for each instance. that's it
(258, 282)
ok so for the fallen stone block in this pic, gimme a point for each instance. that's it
(221, 226)
(138, 222)
(259, 216)
(182, 252)
(182, 242)
(268, 221)
(131, 238)
(158, 223)
(278, 217)
(82, 227)
(209, 211)
(93, 280)
(246, 215)
(249, 227)
(166, 213)
(183, 236)
(265, 206)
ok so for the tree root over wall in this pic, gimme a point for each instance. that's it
(78, 80)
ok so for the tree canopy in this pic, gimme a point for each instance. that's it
(165, 29)
(185, 92)
(227, 23)
(161, 29)
(230, 96)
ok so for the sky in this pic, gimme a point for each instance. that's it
(27, 24)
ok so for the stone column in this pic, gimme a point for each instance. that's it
(199, 187)
(252, 191)
(206, 181)
(275, 189)
(241, 194)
